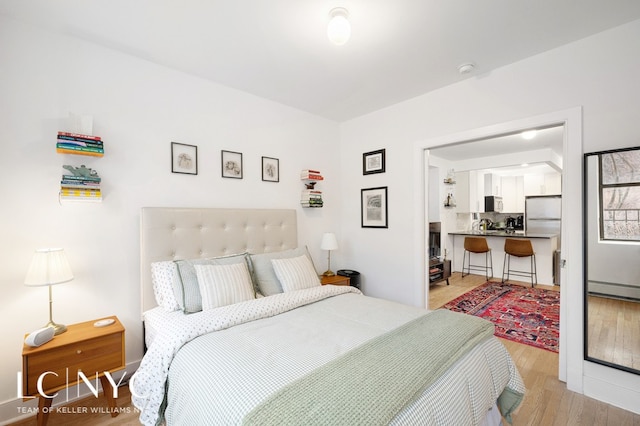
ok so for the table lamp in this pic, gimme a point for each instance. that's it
(48, 267)
(329, 242)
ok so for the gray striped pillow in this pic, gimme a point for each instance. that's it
(191, 298)
(222, 285)
(295, 273)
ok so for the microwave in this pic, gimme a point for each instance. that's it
(493, 204)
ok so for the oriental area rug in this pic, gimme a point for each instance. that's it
(522, 314)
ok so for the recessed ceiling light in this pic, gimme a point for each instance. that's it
(466, 68)
(524, 164)
(529, 134)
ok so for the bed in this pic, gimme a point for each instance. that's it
(238, 330)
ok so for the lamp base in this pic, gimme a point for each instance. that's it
(59, 328)
(328, 273)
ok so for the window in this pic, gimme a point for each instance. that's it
(620, 195)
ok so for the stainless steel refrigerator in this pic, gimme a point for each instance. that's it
(543, 215)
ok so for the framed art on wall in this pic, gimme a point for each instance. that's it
(184, 158)
(373, 206)
(231, 164)
(373, 162)
(270, 169)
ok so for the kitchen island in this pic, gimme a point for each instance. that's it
(544, 245)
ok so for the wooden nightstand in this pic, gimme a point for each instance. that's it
(83, 347)
(335, 280)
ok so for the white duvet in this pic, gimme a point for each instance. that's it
(261, 345)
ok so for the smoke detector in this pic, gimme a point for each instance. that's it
(466, 68)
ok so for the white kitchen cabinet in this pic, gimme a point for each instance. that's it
(509, 194)
(519, 195)
(533, 185)
(543, 184)
(470, 191)
(553, 183)
(462, 192)
(513, 194)
(492, 185)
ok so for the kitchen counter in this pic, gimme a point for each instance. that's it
(544, 245)
(500, 233)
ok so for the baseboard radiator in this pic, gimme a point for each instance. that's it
(615, 290)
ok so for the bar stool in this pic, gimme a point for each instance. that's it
(519, 248)
(477, 245)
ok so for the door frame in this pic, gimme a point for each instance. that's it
(571, 355)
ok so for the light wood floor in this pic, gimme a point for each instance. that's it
(614, 331)
(547, 402)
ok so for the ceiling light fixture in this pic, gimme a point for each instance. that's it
(466, 68)
(529, 134)
(339, 28)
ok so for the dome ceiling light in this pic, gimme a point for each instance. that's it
(339, 28)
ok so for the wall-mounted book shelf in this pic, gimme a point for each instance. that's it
(80, 183)
(311, 196)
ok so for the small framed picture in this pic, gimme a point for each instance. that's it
(374, 207)
(270, 169)
(184, 158)
(373, 162)
(231, 164)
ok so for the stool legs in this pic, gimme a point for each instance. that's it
(488, 264)
(533, 274)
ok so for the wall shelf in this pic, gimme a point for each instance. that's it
(311, 197)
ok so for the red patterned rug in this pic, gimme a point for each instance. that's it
(522, 314)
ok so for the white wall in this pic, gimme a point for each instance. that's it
(598, 73)
(138, 108)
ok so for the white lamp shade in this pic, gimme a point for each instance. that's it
(48, 267)
(339, 28)
(329, 241)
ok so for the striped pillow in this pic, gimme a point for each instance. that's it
(188, 291)
(295, 273)
(222, 285)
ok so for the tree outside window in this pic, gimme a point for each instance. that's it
(620, 195)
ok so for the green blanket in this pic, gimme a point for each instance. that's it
(372, 383)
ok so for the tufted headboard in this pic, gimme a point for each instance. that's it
(168, 233)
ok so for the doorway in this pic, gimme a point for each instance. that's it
(570, 357)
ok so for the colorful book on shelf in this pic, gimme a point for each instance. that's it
(83, 151)
(311, 177)
(307, 171)
(312, 203)
(79, 184)
(79, 136)
(82, 178)
(80, 193)
(68, 142)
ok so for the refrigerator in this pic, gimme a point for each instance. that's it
(542, 215)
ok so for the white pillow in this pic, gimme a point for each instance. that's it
(222, 285)
(163, 276)
(295, 273)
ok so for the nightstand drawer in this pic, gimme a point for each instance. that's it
(335, 280)
(89, 356)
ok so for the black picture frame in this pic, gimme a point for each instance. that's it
(184, 158)
(270, 169)
(231, 163)
(374, 207)
(373, 162)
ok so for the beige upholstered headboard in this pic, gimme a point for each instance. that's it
(168, 233)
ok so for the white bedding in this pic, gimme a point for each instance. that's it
(288, 343)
